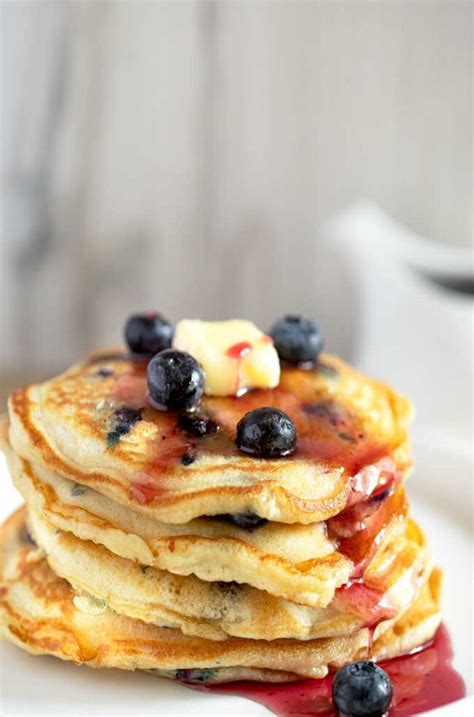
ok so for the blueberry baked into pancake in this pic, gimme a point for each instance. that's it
(214, 504)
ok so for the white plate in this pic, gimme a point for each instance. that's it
(441, 493)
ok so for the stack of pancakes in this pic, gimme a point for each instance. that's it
(150, 542)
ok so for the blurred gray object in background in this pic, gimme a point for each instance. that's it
(411, 330)
(185, 155)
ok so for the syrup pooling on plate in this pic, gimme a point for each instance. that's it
(421, 682)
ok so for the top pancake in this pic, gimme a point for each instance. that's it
(352, 437)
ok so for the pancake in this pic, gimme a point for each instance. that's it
(418, 625)
(216, 610)
(94, 425)
(296, 562)
(39, 614)
(413, 629)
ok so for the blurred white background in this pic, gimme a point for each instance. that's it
(186, 155)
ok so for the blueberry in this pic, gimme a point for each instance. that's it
(246, 521)
(296, 339)
(104, 372)
(27, 537)
(197, 426)
(205, 674)
(123, 420)
(78, 489)
(175, 381)
(188, 458)
(231, 590)
(362, 689)
(266, 433)
(148, 333)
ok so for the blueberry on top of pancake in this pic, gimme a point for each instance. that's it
(298, 340)
(148, 333)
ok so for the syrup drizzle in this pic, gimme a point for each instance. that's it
(324, 428)
(358, 532)
(237, 352)
(327, 431)
(421, 681)
(359, 529)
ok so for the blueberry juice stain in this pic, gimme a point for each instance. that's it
(123, 420)
(421, 681)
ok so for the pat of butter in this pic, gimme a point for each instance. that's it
(235, 355)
